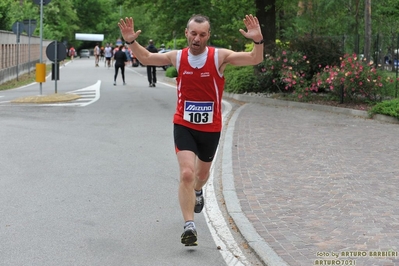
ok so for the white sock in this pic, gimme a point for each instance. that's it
(189, 223)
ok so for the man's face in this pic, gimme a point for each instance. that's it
(197, 35)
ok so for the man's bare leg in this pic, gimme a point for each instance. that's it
(202, 173)
(186, 160)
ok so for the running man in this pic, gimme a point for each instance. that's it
(198, 117)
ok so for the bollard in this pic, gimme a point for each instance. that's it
(40, 72)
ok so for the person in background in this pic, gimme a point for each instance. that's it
(198, 116)
(97, 52)
(120, 61)
(108, 55)
(162, 47)
(128, 53)
(152, 70)
(113, 52)
(72, 53)
(102, 53)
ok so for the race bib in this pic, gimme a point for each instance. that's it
(198, 112)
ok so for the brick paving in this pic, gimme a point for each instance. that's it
(315, 183)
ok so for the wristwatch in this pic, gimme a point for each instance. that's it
(134, 41)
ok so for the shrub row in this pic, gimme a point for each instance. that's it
(307, 66)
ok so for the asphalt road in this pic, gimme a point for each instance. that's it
(94, 183)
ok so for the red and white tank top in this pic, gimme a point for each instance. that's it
(199, 93)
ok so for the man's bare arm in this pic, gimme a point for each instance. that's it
(245, 58)
(145, 57)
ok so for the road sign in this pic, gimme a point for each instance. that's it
(30, 26)
(18, 27)
(51, 51)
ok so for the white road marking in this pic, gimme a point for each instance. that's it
(88, 95)
(231, 252)
(3, 101)
(85, 99)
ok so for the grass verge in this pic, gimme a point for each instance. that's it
(23, 79)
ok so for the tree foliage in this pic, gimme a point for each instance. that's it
(164, 21)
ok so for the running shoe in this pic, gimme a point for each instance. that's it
(189, 236)
(199, 203)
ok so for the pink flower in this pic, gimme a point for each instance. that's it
(284, 52)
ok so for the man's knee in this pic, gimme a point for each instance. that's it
(203, 176)
(187, 175)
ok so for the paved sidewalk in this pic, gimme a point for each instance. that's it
(314, 187)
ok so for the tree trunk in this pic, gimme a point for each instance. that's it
(367, 30)
(266, 14)
(356, 28)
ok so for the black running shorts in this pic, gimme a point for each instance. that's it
(203, 144)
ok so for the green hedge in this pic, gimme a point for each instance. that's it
(390, 108)
(171, 72)
(240, 79)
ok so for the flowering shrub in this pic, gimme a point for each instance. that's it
(354, 78)
(285, 72)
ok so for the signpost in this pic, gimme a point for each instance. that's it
(17, 28)
(30, 26)
(56, 52)
(40, 67)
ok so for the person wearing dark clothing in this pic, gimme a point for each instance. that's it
(120, 60)
(151, 70)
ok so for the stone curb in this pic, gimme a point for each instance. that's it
(260, 247)
(52, 98)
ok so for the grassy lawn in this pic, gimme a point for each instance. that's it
(23, 79)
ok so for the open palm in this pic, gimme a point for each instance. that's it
(127, 29)
(253, 28)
